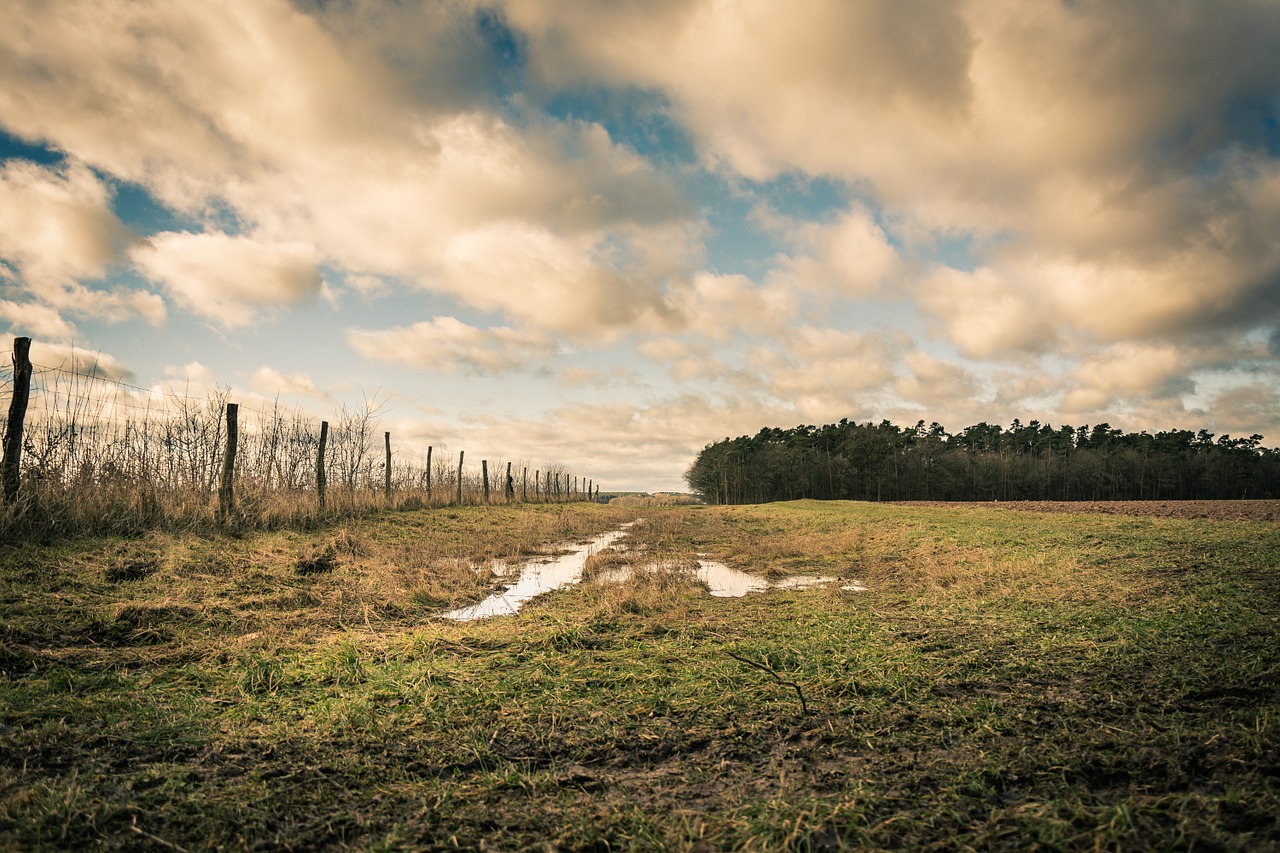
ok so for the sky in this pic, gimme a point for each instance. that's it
(603, 233)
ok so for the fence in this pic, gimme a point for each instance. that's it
(74, 434)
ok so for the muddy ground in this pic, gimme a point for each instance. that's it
(1216, 510)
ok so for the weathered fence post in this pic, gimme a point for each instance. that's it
(9, 470)
(461, 453)
(387, 489)
(537, 484)
(589, 482)
(320, 481)
(226, 500)
(484, 472)
(557, 487)
(524, 486)
(428, 475)
(511, 485)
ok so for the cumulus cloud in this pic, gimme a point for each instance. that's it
(72, 359)
(936, 383)
(35, 320)
(548, 280)
(341, 129)
(445, 343)
(56, 223)
(719, 306)
(195, 381)
(229, 280)
(986, 314)
(1124, 371)
(851, 256)
(1119, 151)
(1109, 170)
(829, 373)
(56, 228)
(807, 89)
(271, 382)
(1244, 410)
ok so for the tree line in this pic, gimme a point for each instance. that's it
(885, 462)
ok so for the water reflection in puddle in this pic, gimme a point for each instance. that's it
(725, 582)
(547, 575)
(537, 578)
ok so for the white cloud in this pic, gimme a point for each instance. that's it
(192, 380)
(1244, 410)
(56, 223)
(1119, 141)
(229, 279)
(719, 306)
(934, 383)
(445, 343)
(547, 280)
(35, 320)
(985, 314)
(851, 256)
(828, 373)
(341, 130)
(270, 382)
(63, 356)
(1125, 371)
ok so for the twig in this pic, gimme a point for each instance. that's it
(157, 839)
(764, 667)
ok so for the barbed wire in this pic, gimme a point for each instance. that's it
(97, 377)
(105, 406)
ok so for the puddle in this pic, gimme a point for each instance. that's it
(725, 582)
(536, 578)
(550, 574)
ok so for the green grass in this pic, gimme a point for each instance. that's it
(1008, 680)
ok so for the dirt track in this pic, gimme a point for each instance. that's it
(1217, 510)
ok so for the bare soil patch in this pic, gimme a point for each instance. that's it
(1244, 510)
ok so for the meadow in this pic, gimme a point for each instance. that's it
(1008, 679)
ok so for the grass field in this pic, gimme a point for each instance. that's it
(1008, 680)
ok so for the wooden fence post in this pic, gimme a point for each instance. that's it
(557, 487)
(484, 472)
(524, 486)
(226, 499)
(428, 475)
(320, 480)
(9, 470)
(589, 482)
(511, 486)
(461, 453)
(388, 483)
